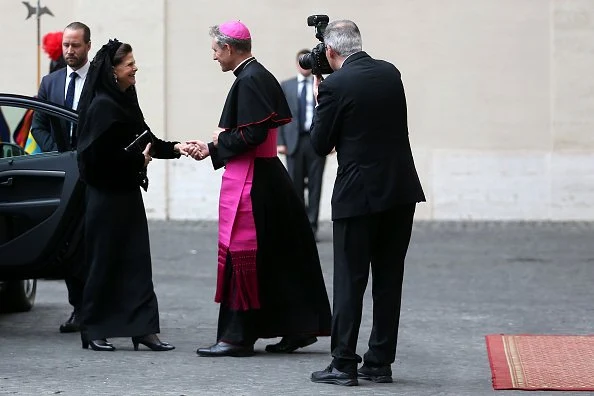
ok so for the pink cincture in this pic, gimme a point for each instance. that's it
(237, 230)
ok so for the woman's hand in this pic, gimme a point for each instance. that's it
(181, 148)
(147, 157)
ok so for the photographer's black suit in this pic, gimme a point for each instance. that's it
(362, 112)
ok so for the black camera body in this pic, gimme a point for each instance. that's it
(316, 59)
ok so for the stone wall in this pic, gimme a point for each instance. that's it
(500, 92)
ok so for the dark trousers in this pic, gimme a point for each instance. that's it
(75, 275)
(75, 288)
(380, 239)
(306, 163)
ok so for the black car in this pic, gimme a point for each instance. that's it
(41, 208)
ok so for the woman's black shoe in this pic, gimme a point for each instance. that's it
(96, 345)
(151, 341)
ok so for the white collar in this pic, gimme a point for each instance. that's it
(245, 61)
(82, 72)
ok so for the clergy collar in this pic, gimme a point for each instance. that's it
(242, 65)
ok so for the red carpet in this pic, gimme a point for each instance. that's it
(541, 362)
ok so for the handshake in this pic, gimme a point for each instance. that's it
(196, 149)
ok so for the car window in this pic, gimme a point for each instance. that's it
(11, 150)
(15, 129)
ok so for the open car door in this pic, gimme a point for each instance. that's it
(41, 199)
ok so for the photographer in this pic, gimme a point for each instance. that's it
(361, 111)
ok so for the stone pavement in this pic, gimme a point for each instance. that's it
(462, 281)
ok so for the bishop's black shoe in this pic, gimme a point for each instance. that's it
(290, 344)
(379, 374)
(333, 376)
(224, 349)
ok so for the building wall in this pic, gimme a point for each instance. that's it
(499, 92)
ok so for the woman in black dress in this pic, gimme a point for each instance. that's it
(118, 300)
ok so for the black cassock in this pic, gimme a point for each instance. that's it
(291, 292)
(118, 300)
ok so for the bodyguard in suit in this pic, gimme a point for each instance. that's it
(294, 141)
(64, 87)
(362, 112)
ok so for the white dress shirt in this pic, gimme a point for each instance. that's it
(308, 83)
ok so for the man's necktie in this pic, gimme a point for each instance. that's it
(69, 100)
(302, 105)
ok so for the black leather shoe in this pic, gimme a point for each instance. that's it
(225, 349)
(333, 376)
(101, 345)
(290, 344)
(153, 342)
(72, 325)
(96, 345)
(380, 374)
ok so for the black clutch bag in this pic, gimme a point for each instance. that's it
(139, 144)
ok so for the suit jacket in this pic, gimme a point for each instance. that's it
(362, 113)
(288, 134)
(50, 133)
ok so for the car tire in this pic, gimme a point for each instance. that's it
(18, 296)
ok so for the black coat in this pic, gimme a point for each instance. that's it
(362, 113)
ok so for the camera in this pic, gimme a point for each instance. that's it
(316, 59)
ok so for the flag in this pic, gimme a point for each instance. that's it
(4, 129)
(31, 146)
(21, 132)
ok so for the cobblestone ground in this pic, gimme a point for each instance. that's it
(462, 281)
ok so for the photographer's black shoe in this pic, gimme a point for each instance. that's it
(380, 374)
(333, 376)
(290, 344)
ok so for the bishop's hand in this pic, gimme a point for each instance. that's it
(197, 149)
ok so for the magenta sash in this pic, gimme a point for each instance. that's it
(237, 230)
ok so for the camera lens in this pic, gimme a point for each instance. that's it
(306, 61)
